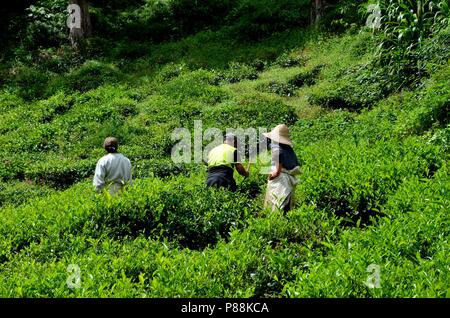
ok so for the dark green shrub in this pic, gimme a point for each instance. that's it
(308, 77)
(406, 26)
(58, 60)
(344, 15)
(12, 168)
(281, 89)
(56, 105)
(30, 139)
(235, 73)
(408, 247)
(158, 167)
(90, 75)
(289, 60)
(61, 174)
(46, 24)
(254, 20)
(356, 88)
(160, 21)
(170, 71)
(29, 83)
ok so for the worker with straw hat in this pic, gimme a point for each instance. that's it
(113, 170)
(285, 167)
(221, 163)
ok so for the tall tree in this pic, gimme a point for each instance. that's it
(79, 34)
(316, 11)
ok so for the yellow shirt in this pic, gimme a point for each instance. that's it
(222, 155)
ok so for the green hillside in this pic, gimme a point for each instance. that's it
(368, 111)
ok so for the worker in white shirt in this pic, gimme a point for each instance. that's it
(113, 170)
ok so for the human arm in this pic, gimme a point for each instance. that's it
(276, 172)
(241, 170)
(99, 176)
(238, 165)
(277, 158)
(130, 179)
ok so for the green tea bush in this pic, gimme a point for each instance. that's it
(193, 85)
(430, 107)
(442, 138)
(39, 139)
(281, 89)
(90, 75)
(290, 59)
(56, 105)
(434, 52)
(408, 246)
(161, 109)
(306, 77)
(13, 164)
(254, 262)
(60, 174)
(398, 116)
(161, 21)
(344, 15)
(121, 50)
(166, 210)
(357, 179)
(254, 20)
(57, 60)
(235, 73)
(9, 101)
(17, 193)
(43, 218)
(181, 210)
(29, 83)
(11, 120)
(354, 89)
(330, 126)
(170, 71)
(251, 110)
(159, 168)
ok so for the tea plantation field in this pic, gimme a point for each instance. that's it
(372, 217)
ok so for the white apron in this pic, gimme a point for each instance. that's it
(280, 191)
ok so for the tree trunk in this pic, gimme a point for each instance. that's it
(77, 34)
(316, 11)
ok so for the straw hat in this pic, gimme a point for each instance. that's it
(280, 134)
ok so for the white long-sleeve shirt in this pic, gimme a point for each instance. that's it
(114, 169)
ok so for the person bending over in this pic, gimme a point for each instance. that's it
(222, 160)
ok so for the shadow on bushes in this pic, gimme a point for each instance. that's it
(193, 216)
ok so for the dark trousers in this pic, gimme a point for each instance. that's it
(221, 176)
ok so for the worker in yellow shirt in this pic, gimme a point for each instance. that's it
(222, 160)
